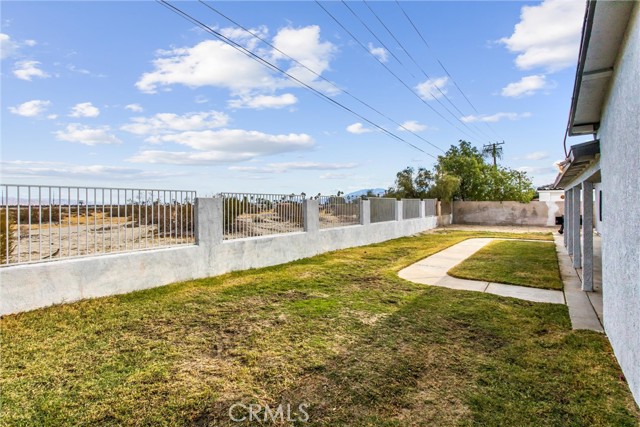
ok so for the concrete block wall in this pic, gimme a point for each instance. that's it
(31, 286)
(534, 213)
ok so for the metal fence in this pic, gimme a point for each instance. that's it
(382, 209)
(42, 223)
(411, 208)
(253, 214)
(337, 211)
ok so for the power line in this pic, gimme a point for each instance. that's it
(494, 150)
(416, 62)
(403, 66)
(263, 61)
(317, 74)
(442, 65)
(378, 39)
(436, 98)
(388, 69)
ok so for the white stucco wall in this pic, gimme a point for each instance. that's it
(551, 195)
(32, 286)
(620, 165)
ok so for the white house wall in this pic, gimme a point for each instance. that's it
(619, 136)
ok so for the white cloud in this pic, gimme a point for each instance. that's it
(84, 109)
(52, 116)
(525, 86)
(136, 108)
(186, 157)
(433, 88)
(358, 128)
(166, 123)
(73, 68)
(33, 108)
(75, 132)
(26, 70)
(413, 126)
(314, 165)
(241, 141)
(200, 99)
(208, 63)
(286, 166)
(245, 39)
(541, 175)
(20, 168)
(379, 52)
(536, 155)
(334, 175)
(8, 47)
(259, 102)
(548, 35)
(225, 145)
(304, 45)
(495, 117)
(214, 63)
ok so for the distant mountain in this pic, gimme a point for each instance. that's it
(355, 194)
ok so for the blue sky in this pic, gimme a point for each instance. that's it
(129, 94)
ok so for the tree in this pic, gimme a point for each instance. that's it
(467, 163)
(462, 173)
(409, 186)
(508, 184)
(445, 187)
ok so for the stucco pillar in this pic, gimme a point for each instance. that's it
(365, 212)
(398, 215)
(311, 215)
(208, 221)
(422, 208)
(430, 207)
(575, 227)
(587, 236)
(568, 216)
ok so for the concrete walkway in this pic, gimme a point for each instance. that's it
(581, 310)
(433, 271)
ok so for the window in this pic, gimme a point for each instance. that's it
(600, 205)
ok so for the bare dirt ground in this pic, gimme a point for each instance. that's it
(267, 223)
(78, 236)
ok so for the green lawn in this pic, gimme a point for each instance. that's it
(530, 264)
(340, 332)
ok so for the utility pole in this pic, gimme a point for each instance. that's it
(494, 150)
